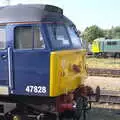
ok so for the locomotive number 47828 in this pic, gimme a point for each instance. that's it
(35, 89)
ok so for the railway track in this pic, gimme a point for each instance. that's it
(103, 72)
(110, 99)
(107, 96)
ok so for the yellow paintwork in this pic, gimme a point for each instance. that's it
(62, 77)
(95, 47)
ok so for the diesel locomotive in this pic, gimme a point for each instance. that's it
(102, 47)
(42, 62)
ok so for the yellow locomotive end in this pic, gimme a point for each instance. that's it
(67, 71)
(95, 46)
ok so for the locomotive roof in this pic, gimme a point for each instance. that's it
(32, 13)
(99, 39)
(103, 39)
(112, 39)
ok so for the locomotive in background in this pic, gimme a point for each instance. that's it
(102, 47)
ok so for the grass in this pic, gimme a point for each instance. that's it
(105, 63)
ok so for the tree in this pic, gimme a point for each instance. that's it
(116, 32)
(108, 33)
(92, 33)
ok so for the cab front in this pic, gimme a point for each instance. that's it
(67, 59)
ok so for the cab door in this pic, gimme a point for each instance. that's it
(30, 61)
(4, 67)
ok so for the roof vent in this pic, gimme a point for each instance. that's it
(53, 9)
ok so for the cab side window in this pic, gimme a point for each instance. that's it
(28, 37)
(38, 38)
(58, 36)
(76, 42)
(2, 38)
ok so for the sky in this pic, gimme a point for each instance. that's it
(84, 13)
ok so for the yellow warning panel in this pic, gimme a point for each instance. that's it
(67, 71)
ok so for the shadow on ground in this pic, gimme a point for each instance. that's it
(103, 114)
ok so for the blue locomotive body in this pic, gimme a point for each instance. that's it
(25, 48)
(42, 61)
(25, 67)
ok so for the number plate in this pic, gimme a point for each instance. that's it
(35, 89)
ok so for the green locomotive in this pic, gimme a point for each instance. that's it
(106, 47)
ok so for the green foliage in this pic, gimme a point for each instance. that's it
(108, 34)
(92, 33)
(116, 32)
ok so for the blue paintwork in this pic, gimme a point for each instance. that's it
(31, 67)
(4, 66)
(28, 67)
(22, 68)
